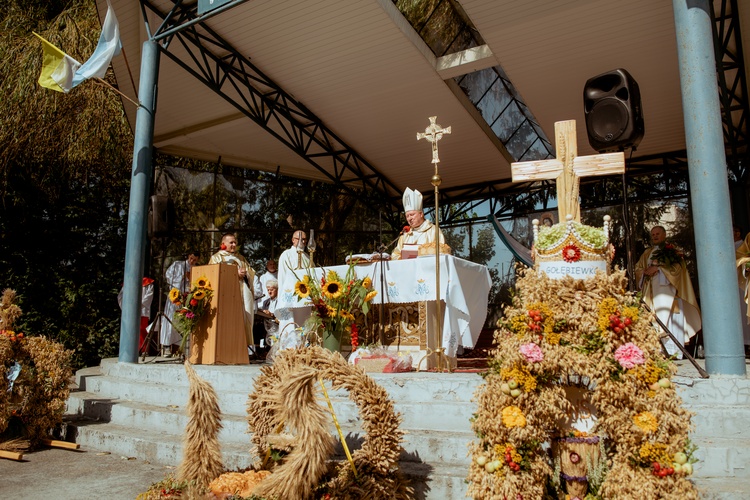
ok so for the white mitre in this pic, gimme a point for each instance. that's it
(412, 200)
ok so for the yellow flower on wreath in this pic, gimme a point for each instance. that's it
(367, 282)
(513, 417)
(203, 282)
(199, 294)
(370, 295)
(174, 295)
(645, 421)
(332, 289)
(654, 452)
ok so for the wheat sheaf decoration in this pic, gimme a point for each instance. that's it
(291, 431)
(201, 461)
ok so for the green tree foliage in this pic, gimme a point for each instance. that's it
(64, 177)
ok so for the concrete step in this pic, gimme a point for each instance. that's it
(419, 445)
(438, 482)
(721, 421)
(412, 386)
(435, 415)
(436, 412)
(715, 390)
(723, 489)
(722, 458)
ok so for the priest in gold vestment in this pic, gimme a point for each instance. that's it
(420, 231)
(668, 291)
(228, 254)
(742, 256)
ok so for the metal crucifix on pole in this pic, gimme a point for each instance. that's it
(433, 133)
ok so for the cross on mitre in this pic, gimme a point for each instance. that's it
(567, 168)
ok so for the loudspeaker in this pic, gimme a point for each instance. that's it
(612, 106)
(160, 216)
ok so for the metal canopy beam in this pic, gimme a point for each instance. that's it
(235, 79)
(732, 84)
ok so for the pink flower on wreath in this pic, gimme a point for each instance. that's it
(189, 315)
(532, 352)
(629, 356)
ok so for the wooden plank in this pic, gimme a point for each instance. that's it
(54, 443)
(11, 455)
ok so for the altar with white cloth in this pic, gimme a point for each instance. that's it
(464, 292)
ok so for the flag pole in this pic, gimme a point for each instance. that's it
(107, 84)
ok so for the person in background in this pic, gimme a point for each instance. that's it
(293, 264)
(178, 276)
(262, 281)
(420, 231)
(742, 261)
(228, 254)
(661, 275)
(147, 296)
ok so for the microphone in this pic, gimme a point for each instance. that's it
(405, 230)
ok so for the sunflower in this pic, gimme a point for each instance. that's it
(346, 315)
(203, 282)
(199, 294)
(370, 295)
(367, 282)
(332, 290)
(174, 295)
(301, 289)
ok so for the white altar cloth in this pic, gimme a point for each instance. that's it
(464, 285)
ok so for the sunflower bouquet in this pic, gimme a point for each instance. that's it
(334, 300)
(191, 307)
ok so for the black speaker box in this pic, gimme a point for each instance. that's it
(614, 116)
(160, 216)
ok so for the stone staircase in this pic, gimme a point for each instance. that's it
(721, 421)
(139, 410)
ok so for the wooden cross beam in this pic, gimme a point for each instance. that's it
(567, 169)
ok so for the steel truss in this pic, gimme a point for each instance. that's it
(268, 105)
(234, 78)
(732, 84)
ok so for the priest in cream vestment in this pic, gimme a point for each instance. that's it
(246, 276)
(668, 291)
(421, 231)
(742, 256)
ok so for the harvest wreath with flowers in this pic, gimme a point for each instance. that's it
(34, 377)
(588, 339)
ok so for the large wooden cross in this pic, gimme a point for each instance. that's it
(567, 168)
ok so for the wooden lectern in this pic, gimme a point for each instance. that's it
(219, 338)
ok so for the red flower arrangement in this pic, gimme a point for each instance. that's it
(571, 253)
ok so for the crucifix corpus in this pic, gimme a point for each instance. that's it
(433, 133)
(567, 168)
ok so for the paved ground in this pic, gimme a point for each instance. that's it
(74, 475)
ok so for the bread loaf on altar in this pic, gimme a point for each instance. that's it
(429, 249)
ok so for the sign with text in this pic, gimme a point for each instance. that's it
(578, 270)
(209, 5)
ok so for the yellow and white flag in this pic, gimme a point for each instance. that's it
(58, 68)
(61, 72)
